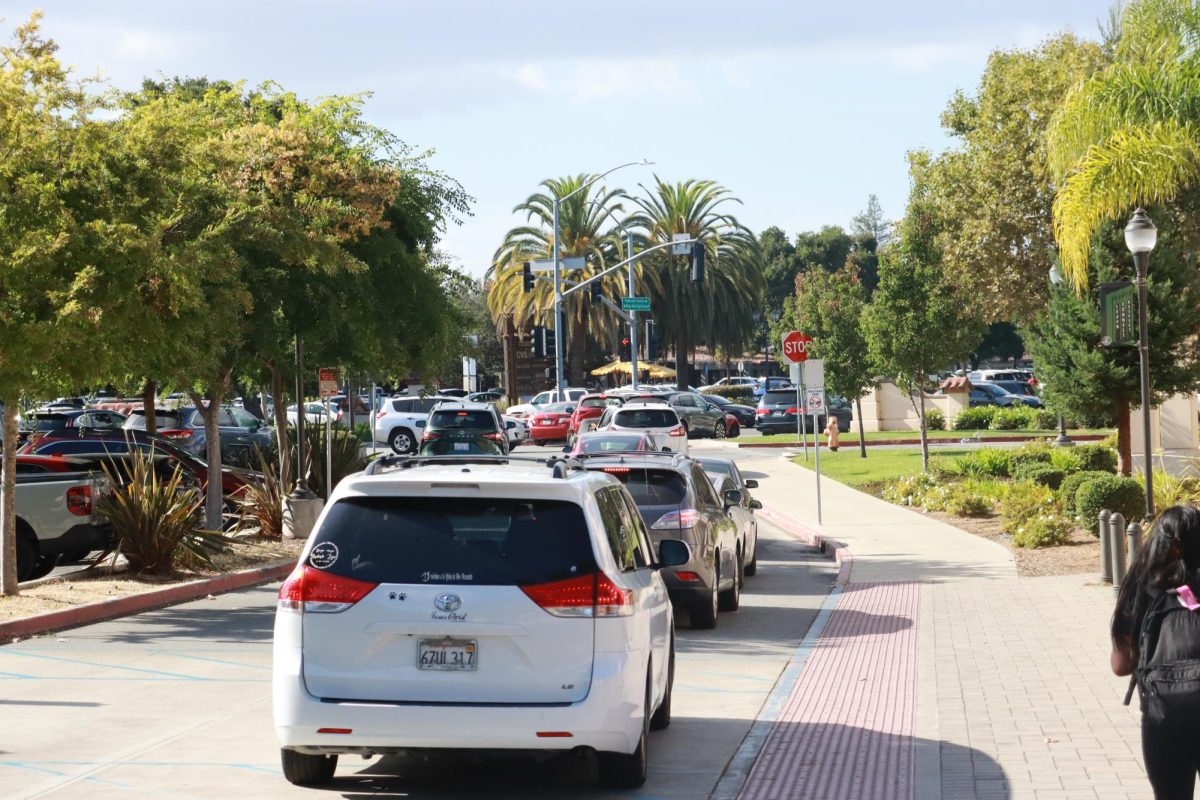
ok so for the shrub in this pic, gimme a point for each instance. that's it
(260, 504)
(1070, 488)
(1044, 530)
(1044, 474)
(346, 456)
(959, 499)
(1109, 442)
(991, 462)
(1032, 453)
(732, 392)
(1025, 500)
(1119, 495)
(908, 491)
(1043, 420)
(1172, 490)
(1098, 457)
(975, 419)
(934, 420)
(1012, 419)
(362, 432)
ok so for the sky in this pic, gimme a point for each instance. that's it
(801, 109)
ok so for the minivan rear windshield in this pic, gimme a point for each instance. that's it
(137, 421)
(774, 398)
(652, 487)
(464, 420)
(647, 418)
(473, 540)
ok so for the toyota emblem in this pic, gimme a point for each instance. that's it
(448, 602)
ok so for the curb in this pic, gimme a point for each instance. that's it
(134, 604)
(840, 552)
(1090, 437)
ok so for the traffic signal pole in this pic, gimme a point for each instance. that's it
(559, 380)
(633, 328)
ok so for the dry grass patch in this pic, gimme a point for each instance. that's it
(1080, 554)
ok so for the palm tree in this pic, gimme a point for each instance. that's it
(720, 312)
(1129, 135)
(587, 227)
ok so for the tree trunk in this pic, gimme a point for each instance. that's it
(149, 390)
(862, 440)
(214, 505)
(577, 350)
(8, 499)
(683, 346)
(280, 414)
(1124, 440)
(924, 438)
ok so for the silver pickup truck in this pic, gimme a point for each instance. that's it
(56, 517)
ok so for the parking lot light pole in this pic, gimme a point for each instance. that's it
(1063, 440)
(633, 325)
(1140, 238)
(559, 381)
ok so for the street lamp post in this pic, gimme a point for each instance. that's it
(1063, 440)
(559, 382)
(1140, 238)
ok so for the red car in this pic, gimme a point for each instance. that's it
(551, 423)
(591, 406)
(612, 442)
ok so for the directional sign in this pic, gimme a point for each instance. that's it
(795, 346)
(328, 382)
(814, 401)
(635, 303)
(683, 244)
(547, 264)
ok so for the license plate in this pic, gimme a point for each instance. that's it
(462, 446)
(547, 422)
(447, 654)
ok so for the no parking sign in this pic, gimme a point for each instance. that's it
(814, 401)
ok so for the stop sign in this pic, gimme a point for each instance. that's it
(795, 346)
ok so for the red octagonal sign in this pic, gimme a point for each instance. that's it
(795, 346)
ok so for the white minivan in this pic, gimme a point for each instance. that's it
(475, 605)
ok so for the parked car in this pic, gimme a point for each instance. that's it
(56, 514)
(991, 375)
(607, 442)
(1019, 388)
(677, 501)
(991, 394)
(39, 423)
(551, 423)
(841, 410)
(744, 414)
(241, 432)
(314, 414)
(657, 418)
(517, 430)
(700, 415)
(726, 470)
(735, 380)
(400, 421)
(778, 413)
(490, 396)
(772, 384)
(589, 408)
(460, 428)
(523, 410)
(498, 610)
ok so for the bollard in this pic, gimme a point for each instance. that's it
(1106, 575)
(1116, 524)
(1133, 538)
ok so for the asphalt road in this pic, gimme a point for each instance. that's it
(176, 703)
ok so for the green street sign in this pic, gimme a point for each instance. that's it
(635, 303)
(1118, 314)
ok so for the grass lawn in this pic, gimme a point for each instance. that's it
(852, 436)
(848, 467)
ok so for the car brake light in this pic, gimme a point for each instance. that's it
(683, 518)
(381, 413)
(761, 412)
(429, 436)
(617, 470)
(308, 589)
(79, 500)
(793, 410)
(687, 576)
(176, 434)
(678, 430)
(495, 437)
(587, 596)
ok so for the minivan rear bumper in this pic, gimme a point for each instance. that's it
(608, 719)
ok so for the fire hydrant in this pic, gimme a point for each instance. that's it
(831, 434)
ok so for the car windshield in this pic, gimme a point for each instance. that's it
(460, 447)
(716, 398)
(559, 408)
(601, 444)
(462, 420)
(651, 487)
(43, 423)
(715, 467)
(780, 398)
(473, 540)
(594, 402)
(162, 420)
(646, 418)
(994, 390)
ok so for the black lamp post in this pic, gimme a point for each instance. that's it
(1140, 238)
(1063, 440)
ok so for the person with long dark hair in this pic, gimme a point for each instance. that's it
(1164, 578)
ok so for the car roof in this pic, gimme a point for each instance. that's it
(645, 403)
(463, 405)
(530, 478)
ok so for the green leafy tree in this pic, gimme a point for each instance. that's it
(831, 307)
(918, 321)
(1130, 134)
(1098, 384)
(1002, 340)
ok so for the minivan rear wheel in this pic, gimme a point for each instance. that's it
(305, 770)
(628, 770)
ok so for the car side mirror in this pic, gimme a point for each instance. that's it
(755, 505)
(750, 484)
(673, 553)
(733, 497)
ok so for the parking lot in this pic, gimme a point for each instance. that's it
(176, 703)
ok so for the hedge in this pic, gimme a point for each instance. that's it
(732, 392)
(1042, 474)
(1119, 495)
(975, 419)
(934, 420)
(1070, 487)
(1013, 418)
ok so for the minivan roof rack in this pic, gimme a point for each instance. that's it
(409, 461)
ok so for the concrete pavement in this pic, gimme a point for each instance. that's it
(940, 674)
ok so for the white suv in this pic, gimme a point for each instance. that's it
(493, 606)
(400, 421)
(659, 420)
(526, 410)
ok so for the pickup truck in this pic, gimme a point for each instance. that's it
(56, 515)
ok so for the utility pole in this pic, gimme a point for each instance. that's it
(633, 328)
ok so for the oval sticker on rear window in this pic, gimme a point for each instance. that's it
(324, 555)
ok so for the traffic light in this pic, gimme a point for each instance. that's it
(626, 351)
(650, 350)
(697, 262)
(594, 287)
(527, 277)
(538, 339)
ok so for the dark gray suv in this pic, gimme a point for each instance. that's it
(677, 501)
(777, 413)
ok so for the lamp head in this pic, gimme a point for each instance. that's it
(1140, 233)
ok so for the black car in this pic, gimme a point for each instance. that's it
(744, 414)
(778, 413)
(459, 428)
(41, 423)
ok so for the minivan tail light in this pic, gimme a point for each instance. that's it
(678, 430)
(793, 410)
(176, 434)
(761, 412)
(309, 589)
(586, 596)
(79, 500)
(683, 518)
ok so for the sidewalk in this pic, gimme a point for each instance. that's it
(940, 674)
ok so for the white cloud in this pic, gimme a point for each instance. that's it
(532, 76)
